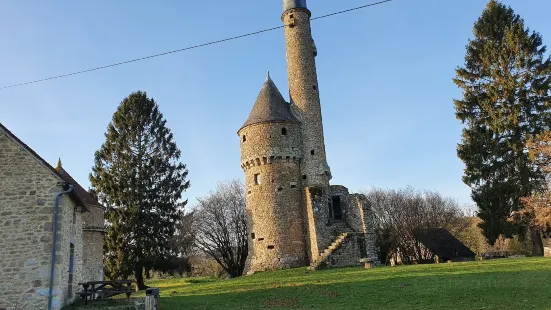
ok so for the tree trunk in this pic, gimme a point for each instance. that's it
(138, 274)
(537, 243)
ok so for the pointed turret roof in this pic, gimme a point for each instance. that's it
(270, 106)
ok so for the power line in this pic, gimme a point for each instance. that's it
(187, 48)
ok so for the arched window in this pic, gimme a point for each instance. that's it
(284, 131)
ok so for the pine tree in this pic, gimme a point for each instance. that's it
(506, 99)
(138, 176)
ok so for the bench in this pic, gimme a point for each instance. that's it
(93, 290)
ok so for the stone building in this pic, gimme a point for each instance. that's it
(35, 198)
(296, 218)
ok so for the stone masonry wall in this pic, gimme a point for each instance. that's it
(317, 220)
(93, 256)
(368, 220)
(271, 161)
(304, 92)
(93, 226)
(342, 193)
(27, 198)
(71, 233)
(355, 215)
(547, 252)
(349, 253)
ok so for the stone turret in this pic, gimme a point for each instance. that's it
(305, 100)
(304, 92)
(271, 157)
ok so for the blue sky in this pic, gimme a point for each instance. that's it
(385, 80)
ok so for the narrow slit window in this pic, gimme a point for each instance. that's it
(271, 247)
(260, 239)
(284, 131)
(293, 184)
(252, 235)
(315, 87)
(312, 152)
(244, 138)
(257, 179)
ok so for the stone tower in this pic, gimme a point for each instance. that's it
(270, 156)
(305, 100)
(304, 92)
(295, 217)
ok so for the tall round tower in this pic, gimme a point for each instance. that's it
(271, 156)
(304, 92)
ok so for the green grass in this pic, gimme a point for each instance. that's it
(494, 284)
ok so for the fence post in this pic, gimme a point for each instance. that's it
(152, 298)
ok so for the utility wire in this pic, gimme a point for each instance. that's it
(187, 48)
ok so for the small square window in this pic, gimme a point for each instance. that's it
(257, 179)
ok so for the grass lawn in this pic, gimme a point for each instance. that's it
(493, 284)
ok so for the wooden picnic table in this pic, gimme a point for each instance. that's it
(105, 289)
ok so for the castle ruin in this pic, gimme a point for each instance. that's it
(295, 217)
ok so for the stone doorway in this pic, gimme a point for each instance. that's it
(336, 206)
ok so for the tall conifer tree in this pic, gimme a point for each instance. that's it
(506, 99)
(137, 174)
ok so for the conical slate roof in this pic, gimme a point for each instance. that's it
(270, 106)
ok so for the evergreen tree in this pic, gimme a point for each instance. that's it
(137, 174)
(506, 99)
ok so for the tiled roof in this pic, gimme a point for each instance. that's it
(79, 194)
(86, 198)
(270, 106)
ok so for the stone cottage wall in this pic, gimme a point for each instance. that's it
(71, 233)
(27, 198)
(93, 226)
(547, 252)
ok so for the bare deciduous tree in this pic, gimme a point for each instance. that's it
(183, 243)
(400, 213)
(221, 226)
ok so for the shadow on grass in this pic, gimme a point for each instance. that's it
(504, 284)
(485, 290)
(112, 304)
(346, 276)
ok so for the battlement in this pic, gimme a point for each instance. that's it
(259, 161)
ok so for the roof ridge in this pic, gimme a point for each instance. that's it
(54, 171)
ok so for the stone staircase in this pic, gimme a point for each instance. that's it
(339, 227)
(322, 258)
